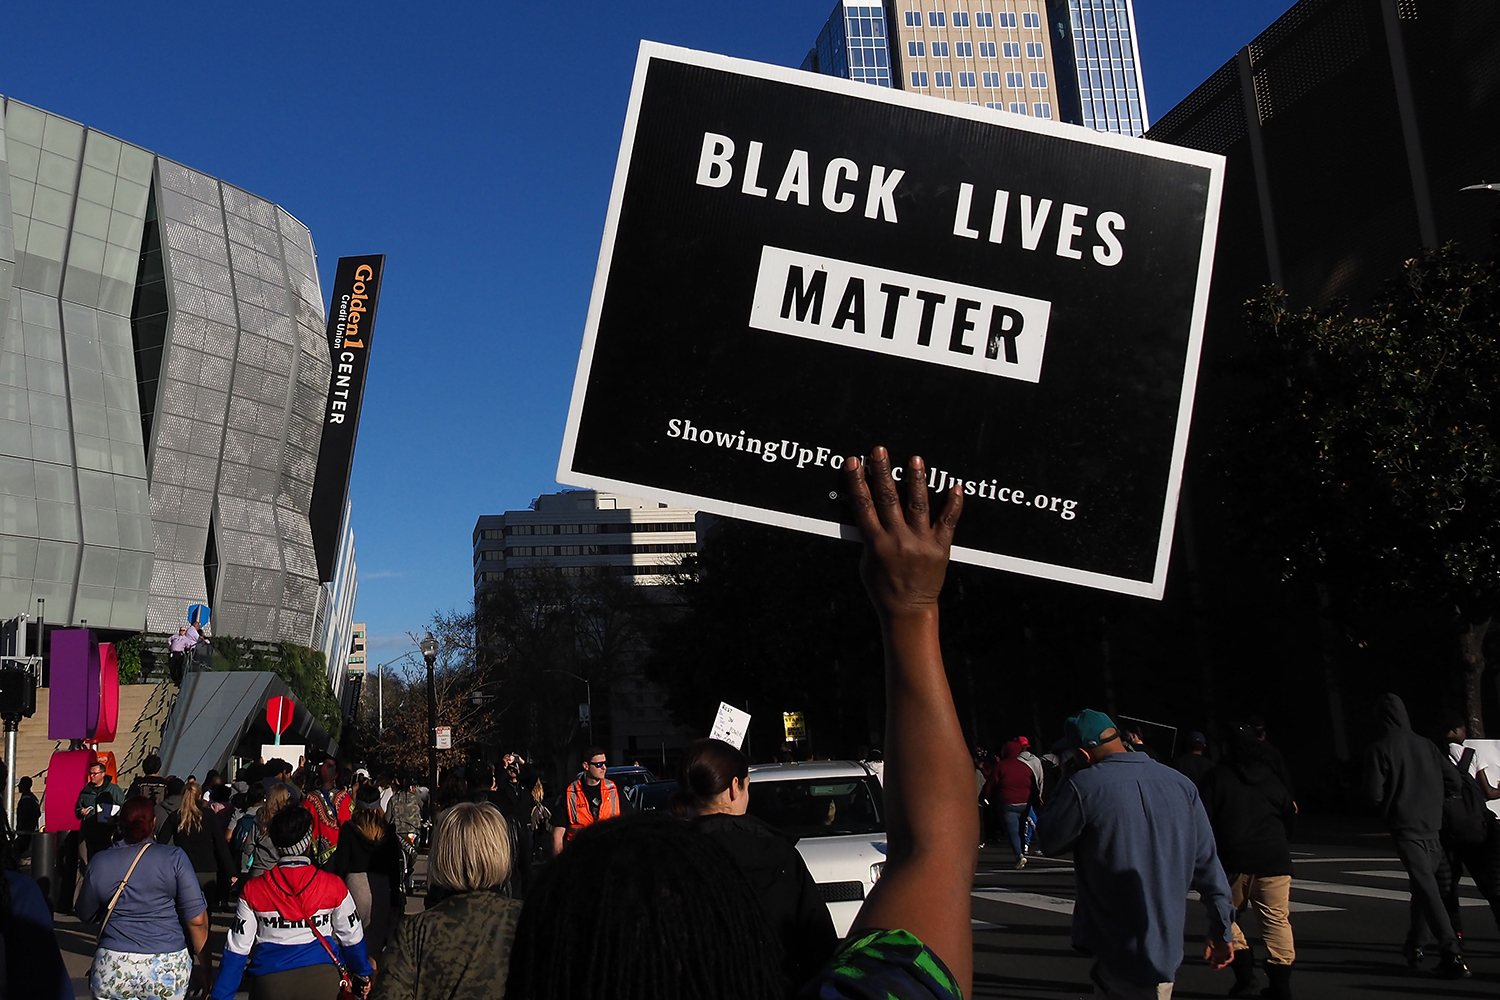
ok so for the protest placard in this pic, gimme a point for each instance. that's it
(797, 267)
(730, 725)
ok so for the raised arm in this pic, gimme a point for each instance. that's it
(932, 825)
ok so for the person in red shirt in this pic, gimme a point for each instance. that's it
(331, 808)
(1015, 786)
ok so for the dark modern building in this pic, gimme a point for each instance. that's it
(164, 371)
(1351, 128)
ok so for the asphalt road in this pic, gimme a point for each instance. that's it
(1349, 917)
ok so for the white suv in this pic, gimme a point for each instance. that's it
(836, 812)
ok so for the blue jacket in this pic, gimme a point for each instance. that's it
(1140, 839)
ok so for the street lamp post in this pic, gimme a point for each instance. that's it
(429, 647)
(380, 693)
(588, 695)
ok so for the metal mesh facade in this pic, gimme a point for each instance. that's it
(124, 522)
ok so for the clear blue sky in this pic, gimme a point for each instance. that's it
(474, 145)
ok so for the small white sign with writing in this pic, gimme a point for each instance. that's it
(730, 725)
(442, 737)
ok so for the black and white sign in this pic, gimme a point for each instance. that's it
(797, 267)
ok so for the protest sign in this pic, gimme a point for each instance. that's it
(797, 267)
(730, 725)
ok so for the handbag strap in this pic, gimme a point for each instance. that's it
(116, 898)
(343, 973)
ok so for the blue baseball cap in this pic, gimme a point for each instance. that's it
(1087, 728)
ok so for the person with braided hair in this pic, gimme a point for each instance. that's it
(645, 906)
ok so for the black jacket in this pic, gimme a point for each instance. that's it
(357, 853)
(794, 907)
(205, 847)
(1251, 812)
(1404, 775)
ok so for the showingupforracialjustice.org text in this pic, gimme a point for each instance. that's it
(818, 456)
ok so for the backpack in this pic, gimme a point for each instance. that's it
(242, 840)
(1466, 816)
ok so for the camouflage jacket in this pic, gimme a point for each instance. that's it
(458, 950)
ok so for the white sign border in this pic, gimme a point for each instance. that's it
(1213, 162)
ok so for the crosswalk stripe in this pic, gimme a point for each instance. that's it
(1466, 880)
(1295, 905)
(1034, 900)
(1368, 892)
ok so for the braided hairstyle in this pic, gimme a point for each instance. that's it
(644, 908)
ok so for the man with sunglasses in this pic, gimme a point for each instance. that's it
(591, 798)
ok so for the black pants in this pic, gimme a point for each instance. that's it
(176, 663)
(1483, 864)
(1421, 859)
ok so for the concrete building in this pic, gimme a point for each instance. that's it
(997, 53)
(164, 370)
(1098, 65)
(587, 533)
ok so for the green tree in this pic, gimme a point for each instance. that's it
(1376, 457)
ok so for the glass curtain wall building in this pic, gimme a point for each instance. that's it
(854, 45)
(1098, 65)
(990, 52)
(163, 374)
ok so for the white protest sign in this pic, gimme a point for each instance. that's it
(1487, 756)
(289, 752)
(730, 725)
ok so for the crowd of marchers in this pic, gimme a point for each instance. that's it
(705, 900)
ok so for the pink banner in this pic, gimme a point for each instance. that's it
(109, 694)
(66, 774)
(73, 706)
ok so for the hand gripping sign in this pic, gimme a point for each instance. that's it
(796, 267)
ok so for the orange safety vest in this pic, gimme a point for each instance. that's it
(579, 815)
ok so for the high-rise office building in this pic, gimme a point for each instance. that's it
(164, 371)
(581, 533)
(1098, 65)
(853, 44)
(991, 52)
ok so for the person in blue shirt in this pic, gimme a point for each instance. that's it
(160, 920)
(1140, 840)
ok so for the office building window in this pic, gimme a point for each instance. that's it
(991, 80)
(1007, 19)
(1011, 50)
(914, 19)
(916, 49)
(939, 49)
(1018, 107)
(966, 81)
(942, 81)
(918, 79)
(936, 18)
(1039, 81)
(964, 50)
(960, 19)
(1014, 80)
(1042, 109)
(987, 50)
(1033, 50)
(984, 19)
(1031, 20)
(994, 106)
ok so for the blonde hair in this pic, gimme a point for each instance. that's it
(277, 799)
(189, 815)
(473, 848)
(371, 823)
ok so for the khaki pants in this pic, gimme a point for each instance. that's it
(1269, 896)
(1108, 986)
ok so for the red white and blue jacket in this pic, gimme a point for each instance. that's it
(272, 927)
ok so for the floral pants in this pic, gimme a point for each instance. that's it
(125, 975)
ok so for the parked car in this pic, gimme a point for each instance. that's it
(837, 813)
(652, 796)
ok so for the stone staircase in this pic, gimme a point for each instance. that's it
(143, 712)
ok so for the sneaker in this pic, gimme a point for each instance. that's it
(1020, 863)
(1414, 956)
(1452, 967)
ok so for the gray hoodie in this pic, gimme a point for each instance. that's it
(1405, 776)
